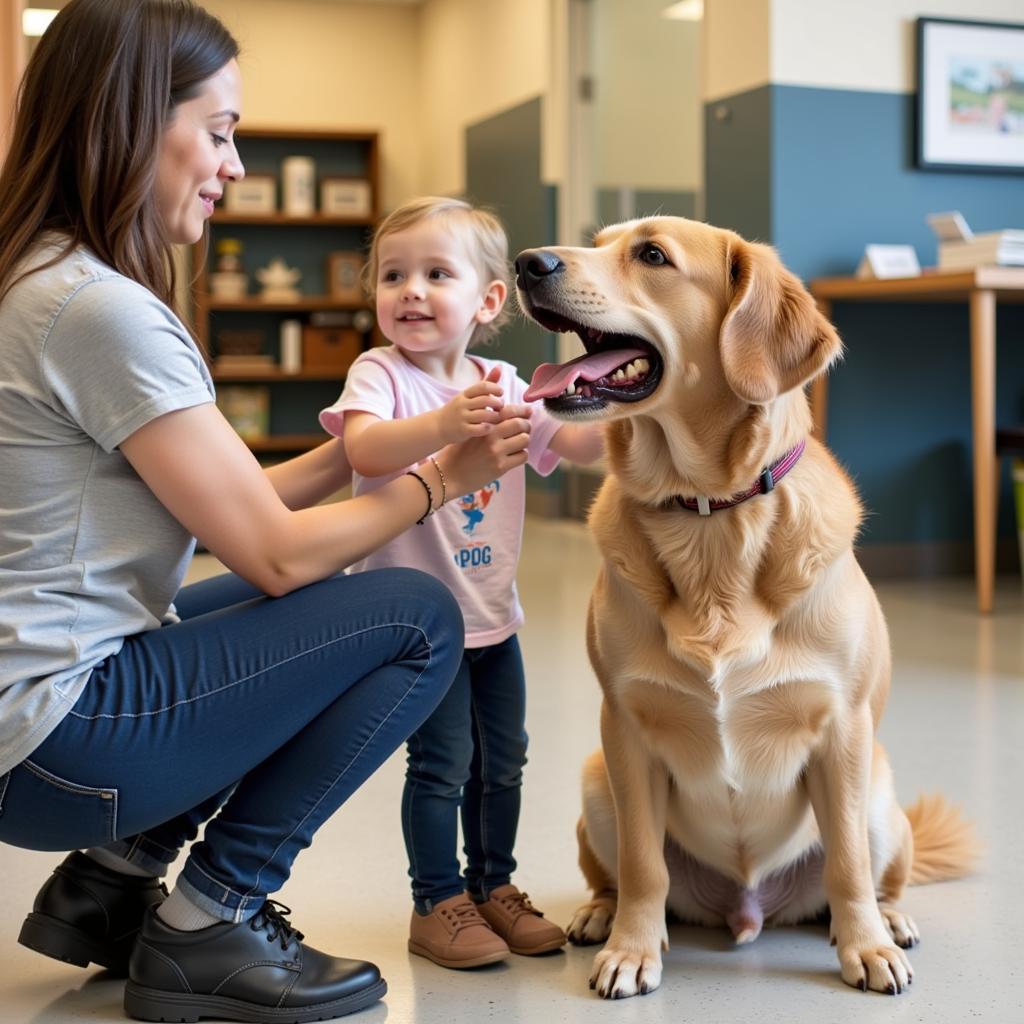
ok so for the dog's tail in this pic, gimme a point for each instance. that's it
(945, 843)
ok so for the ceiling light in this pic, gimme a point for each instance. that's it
(685, 10)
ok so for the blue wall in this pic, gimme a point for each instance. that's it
(820, 173)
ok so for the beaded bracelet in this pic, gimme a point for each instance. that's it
(444, 483)
(430, 497)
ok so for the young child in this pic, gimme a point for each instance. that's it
(439, 271)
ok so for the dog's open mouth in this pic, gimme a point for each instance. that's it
(615, 368)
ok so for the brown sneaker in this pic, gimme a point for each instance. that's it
(512, 916)
(454, 934)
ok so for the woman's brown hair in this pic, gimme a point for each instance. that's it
(97, 94)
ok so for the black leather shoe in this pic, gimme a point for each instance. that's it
(259, 970)
(86, 913)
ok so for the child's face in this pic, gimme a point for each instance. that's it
(429, 293)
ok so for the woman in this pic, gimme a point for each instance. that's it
(264, 699)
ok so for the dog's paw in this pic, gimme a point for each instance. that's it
(878, 966)
(901, 926)
(592, 923)
(622, 972)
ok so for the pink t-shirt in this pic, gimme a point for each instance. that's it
(472, 544)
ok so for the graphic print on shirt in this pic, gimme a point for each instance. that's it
(473, 506)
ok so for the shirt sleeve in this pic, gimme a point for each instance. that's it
(543, 428)
(116, 357)
(369, 387)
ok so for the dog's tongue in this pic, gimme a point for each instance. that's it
(551, 379)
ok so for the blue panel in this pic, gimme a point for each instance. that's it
(843, 176)
(738, 163)
(503, 173)
(899, 406)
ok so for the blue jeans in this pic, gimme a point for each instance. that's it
(469, 752)
(272, 711)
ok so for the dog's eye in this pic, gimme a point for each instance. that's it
(653, 256)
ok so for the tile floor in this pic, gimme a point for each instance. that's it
(955, 722)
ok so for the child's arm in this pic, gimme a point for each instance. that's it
(579, 442)
(376, 447)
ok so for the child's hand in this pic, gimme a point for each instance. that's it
(473, 412)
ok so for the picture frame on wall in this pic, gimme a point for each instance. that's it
(970, 96)
(346, 197)
(344, 277)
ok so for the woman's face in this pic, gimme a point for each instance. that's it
(197, 155)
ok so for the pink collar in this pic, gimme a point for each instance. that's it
(763, 485)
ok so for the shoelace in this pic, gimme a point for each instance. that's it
(517, 904)
(272, 917)
(463, 915)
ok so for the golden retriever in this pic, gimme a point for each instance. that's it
(742, 653)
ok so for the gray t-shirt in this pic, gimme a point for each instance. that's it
(88, 555)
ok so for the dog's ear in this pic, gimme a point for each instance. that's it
(773, 337)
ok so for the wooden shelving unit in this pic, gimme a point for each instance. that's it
(303, 242)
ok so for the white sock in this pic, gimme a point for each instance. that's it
(115, 863)
(180, 912)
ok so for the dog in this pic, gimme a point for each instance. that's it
(743, 655)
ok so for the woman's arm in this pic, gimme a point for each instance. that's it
(309, 479)
(202, 472)
(579, 442)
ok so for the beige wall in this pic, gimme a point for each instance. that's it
(477, 58)
(11, 62)
(736, 46)
(835, 44)
(867, 44)
(419, 74)
(648, 125)
(310, 64)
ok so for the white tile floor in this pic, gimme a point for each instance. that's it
(955, 723)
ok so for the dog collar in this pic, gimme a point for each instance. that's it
(765, 483)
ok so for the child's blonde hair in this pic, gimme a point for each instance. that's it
(487, 242)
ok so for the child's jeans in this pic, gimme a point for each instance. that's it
(273, 710)
(469, 752)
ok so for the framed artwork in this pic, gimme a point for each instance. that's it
(255, 193)
(346, 197)
(970, 96)
(344, 277)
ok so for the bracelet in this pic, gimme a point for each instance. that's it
(430, 497)
(444, 482)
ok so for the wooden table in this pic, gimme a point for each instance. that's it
(980, 288)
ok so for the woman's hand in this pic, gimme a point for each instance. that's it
(473, 412)
(474, 463)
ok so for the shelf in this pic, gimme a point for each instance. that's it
(308, 303)
(279, 219)
(276, 374)
(287, 403)
(286, 442)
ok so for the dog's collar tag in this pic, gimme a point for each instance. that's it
(765, 484)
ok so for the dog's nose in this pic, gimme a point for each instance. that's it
(533, 265)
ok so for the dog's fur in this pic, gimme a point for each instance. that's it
(743, 656)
